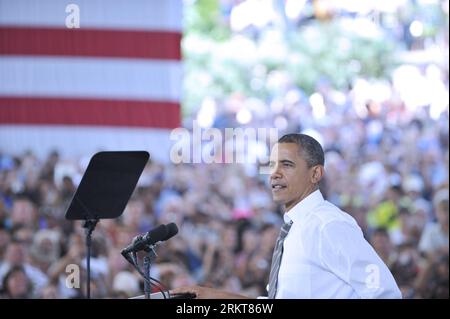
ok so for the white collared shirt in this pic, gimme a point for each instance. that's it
(326, 256)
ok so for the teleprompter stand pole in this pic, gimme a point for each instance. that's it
(89, 225)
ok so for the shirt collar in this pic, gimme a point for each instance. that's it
(304, 206)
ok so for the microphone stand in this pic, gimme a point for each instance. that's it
(148, 244)
(132, 258)
(151, 257)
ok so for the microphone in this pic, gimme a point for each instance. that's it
(172, 230)
(148, 242)
(150, 238)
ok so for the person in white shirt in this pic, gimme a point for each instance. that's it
(323, 253)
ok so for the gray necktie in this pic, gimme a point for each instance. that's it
(276, 259)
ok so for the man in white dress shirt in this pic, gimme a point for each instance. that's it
(323, 253)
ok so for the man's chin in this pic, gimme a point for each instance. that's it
(278, 199)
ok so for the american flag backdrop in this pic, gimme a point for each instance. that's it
(112, 84)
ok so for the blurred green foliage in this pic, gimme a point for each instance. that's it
(217, 63)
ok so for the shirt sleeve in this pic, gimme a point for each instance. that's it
(345, 252)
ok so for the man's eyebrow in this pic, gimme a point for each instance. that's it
(286, 161)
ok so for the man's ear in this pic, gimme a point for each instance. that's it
(317, 174)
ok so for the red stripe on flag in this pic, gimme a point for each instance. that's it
(90, 42)
(155, 114)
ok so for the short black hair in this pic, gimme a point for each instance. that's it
(310, 149)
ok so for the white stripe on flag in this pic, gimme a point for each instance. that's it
(86, 140)
(104, 14)
(90, 78)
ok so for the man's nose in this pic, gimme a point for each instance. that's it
(275, 172)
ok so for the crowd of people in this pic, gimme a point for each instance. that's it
(393, 180)
(386, 162)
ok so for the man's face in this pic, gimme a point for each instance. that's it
(290, 178)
